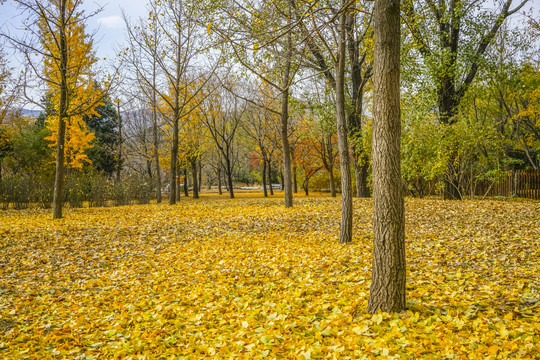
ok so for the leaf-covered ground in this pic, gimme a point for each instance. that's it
(248, 279)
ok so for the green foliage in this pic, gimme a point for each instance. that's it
(103, 153)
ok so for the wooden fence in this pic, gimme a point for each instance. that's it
(524, 184)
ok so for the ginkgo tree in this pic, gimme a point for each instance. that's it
(66, 50)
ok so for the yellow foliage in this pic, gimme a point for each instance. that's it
(83, 94)
(78, 140)
(247, 279)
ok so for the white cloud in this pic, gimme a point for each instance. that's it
(111, 22)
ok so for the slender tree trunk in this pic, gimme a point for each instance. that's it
(287, 173)
(195, 183)
(219, 179)
(387, 292)
(306, 186)
(270, 178)
(330, 164)
(177, 183)
(200, 174)
(264, 179)
(176, 115)
(58, 198)
(186, 184)
(156, 149)
(174, 158)
(344, 159)
(229, 178)
(355, 116)
(295, 180)
(119, 164)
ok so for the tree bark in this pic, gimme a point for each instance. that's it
(387, 292)
(229, 177)
(345, 235)
(219, 180)
(119, 164)
(295, 180)
(58, 198)
(177, 183)
(199, 166)
(155, 134)
(265, 190)
(186, 184)
(361, 174)
(194, 177)
(270, 178)
(287, 173)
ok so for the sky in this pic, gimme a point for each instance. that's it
(108, 24)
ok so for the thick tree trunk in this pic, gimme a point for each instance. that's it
(58, 198)
(387, 292)
(345, 235)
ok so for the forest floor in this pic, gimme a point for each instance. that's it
(247, 279)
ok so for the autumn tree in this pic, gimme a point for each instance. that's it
(67, 71)
(260, 36)
(170, 40)
(387, 292)
(327, 31)
(223, 114)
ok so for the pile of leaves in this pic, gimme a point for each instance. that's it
(247, 278)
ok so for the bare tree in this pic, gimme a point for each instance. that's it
(222, 117)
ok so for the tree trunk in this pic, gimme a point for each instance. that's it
(287, 173)
(58, 198)
(387, 292)
(329, 164)
(361, 174)
(229, 178)
(219, 180)
(195, 183)
(200, 174)
(174, 157)
(119, 164)
(306, 186)
(295, 181)
(177, 183)
(155, 134)
(264, 179)
(186, 184)
(270, 178)
(345, 235)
